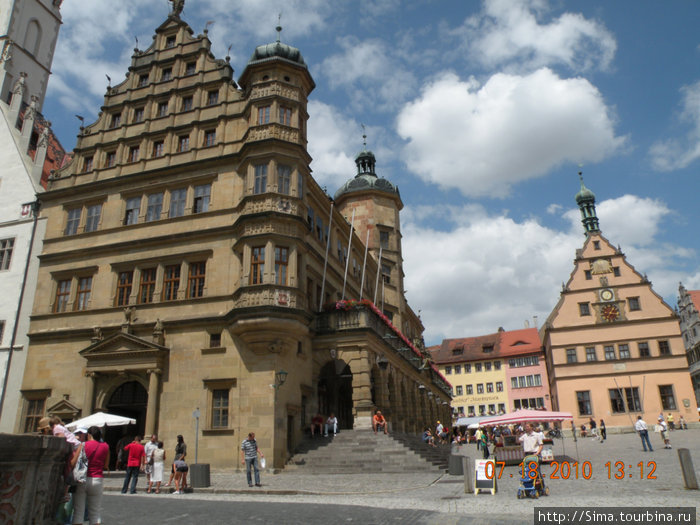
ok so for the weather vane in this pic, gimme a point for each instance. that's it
(279, 26)
(364, 136)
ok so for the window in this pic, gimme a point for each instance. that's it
(143, 80)
(73, 221)
(195, 280)
(82, 298)
(284, 178)
(285, 116)
(664, 348)
(212, 98)
(201, 198)
(215, 340)
(219, 408)
(264, 115)
(133, 206)
(170, 42)
(257, 264)
(590, 354)
(34, 411)
(138, 115)
(154, 207)
(147, 285)
(386, 273)
(634, 304)
(281, 261)
(458, 351)
(487, 366)
(470, 389)
(190, 68)
(616, 271)
(133, 154)
(596, 245)
(93, 217)
(477, 367)
(584, 309)
(167, 74)
(609, 352)
(162, 109)
(6, 247)
(171, 282)
(260, 181)
(210, 137)
(489, 388)
(124, 282)
(571, 355)
(499, 386)
(177, 202)
(183, 143)
(584, 403)
(458, 369)
(623, 351)
(319, 228)
(2, 330)
(116, 120)
(87, 164)
(668, 400)
(158, 148)
(632, 397)
(480, 388)
(496, 365)
(384, 239)
(617, 404)
(187, 103)
(448, 370)
(643, 349)
(588, 274)
(310, 217)
(300, 185)
(60, 303)
(458, 390)
(468, 368)
(110, 159)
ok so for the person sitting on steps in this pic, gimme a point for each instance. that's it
(317, 424)
(378, 422)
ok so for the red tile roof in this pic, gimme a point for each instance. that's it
(505, 344)
(695, 297)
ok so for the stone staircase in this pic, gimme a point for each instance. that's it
(362, 451)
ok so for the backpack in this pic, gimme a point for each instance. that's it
(79, 473)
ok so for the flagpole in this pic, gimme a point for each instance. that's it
(347, 258)
(364, 265)
(325, 262)
(379, 271)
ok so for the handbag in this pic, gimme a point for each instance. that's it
(79, 473)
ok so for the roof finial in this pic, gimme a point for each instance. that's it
(178, 5)
(279, 26)
(364, 136)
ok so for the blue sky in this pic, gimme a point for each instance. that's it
(482, 113)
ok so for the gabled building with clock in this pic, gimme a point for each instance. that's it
(613, 346)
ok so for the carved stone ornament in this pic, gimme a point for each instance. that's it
(601, 266)
(178, 5)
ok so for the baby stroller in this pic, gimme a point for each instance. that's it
(531, 482)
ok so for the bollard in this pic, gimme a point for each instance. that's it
(199, 475)
(691, 482)
(468, 482)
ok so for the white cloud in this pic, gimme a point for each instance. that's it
(678, 153)
(511, 34)
(370, 73)
(483, 139)
(494, 271)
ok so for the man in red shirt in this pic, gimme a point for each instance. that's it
(378, 422)
(135, 464)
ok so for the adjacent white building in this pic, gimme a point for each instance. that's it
(28, 151)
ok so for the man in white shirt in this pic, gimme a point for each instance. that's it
(332, 424)
(664, 432)
(531, 440)
(641, 427)
(149, 448)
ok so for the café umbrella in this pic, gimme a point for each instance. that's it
(101, 419)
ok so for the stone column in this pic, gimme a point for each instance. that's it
(89, 393)
(361, 387)
(152, 407)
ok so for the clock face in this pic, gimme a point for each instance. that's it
(610, 313)
(606, 295)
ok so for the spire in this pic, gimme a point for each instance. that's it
(586, 203)
(279, 27)
(365, 160)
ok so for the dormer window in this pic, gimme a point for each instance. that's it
(487, 349)
(458, 351)
(170, 42)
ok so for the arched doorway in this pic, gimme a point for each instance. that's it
(128, 399)
(335, 392)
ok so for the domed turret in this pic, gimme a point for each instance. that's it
(366, 178)
(277, 50)
(586, 203)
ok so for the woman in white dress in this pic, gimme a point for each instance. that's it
(157, 475)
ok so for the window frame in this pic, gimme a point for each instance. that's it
(591, 354)
(154, 208)
(202, 198)
(583, 402)
(177, 204)
(281, 265)
(285, 115)
(147, 284)
(667, 395)
(196, 279)
(264, 115)
(634, 304)
(93, 216)
(259, 179)
(83, 293)
(124, 288)
(171, 282)
(584, 309)
(132, 209)
(284, 179)
(257, 265)
(571, 355)
(7, 247)
(62, 296)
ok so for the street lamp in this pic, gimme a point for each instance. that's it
(280, 378)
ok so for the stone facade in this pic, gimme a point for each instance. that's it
(689, 318)
(184, 266)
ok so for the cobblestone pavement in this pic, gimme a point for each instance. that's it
(445, 494)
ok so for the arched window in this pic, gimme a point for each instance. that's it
(32, 39)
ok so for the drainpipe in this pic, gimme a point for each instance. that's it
(36, 205)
